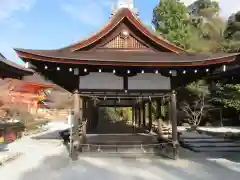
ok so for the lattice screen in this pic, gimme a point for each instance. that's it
(125, 42)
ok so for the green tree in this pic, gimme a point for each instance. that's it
(210, 26)
(232, 34)
(230, 46)
(228, 95)
(170, 18)
(233, 27)
(197, 28)
(196, 98)
(205, 8)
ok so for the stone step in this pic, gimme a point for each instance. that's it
(215, 149)
(194, 135)
(223, 144)
(199, 140)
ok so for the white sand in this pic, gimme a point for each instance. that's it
(47, 161)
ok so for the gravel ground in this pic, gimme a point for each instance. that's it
(45, 159)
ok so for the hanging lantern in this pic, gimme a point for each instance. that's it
(76, 71)
(224, 68)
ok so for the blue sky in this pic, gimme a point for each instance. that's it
(51, 24)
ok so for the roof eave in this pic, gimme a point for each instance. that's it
(204, 62)
(15, 69)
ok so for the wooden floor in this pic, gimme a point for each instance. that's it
(110, 132)
(121, 139)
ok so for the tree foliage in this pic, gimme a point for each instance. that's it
(194, 105)
(228, 95)
(171, 19)
(205, 8)
(205, 16)
(232, 34)
(197, 28)
(233, 27)
(199, 88)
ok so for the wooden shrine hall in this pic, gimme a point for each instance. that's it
(124, 64)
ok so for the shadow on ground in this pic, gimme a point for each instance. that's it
(48, 135)
(61, 167)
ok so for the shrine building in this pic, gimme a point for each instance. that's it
(124, 64)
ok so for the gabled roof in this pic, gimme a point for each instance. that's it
(118, 18)
(126, 18)
(128, 58)
(155, 50)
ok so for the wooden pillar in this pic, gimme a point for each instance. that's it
(150, 116)
(139, 115)
(75, 134)
(174, 116)
(85, 109)
(84, 120)
(174, 124)
(158, 116)
(133, 115)
(87, 114)
(96, 115)
(136, 116)
(169, 112)
(143, 109)
(77, 108)
(133, 118)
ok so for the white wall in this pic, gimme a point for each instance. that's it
(101, 81)
(149, 81)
